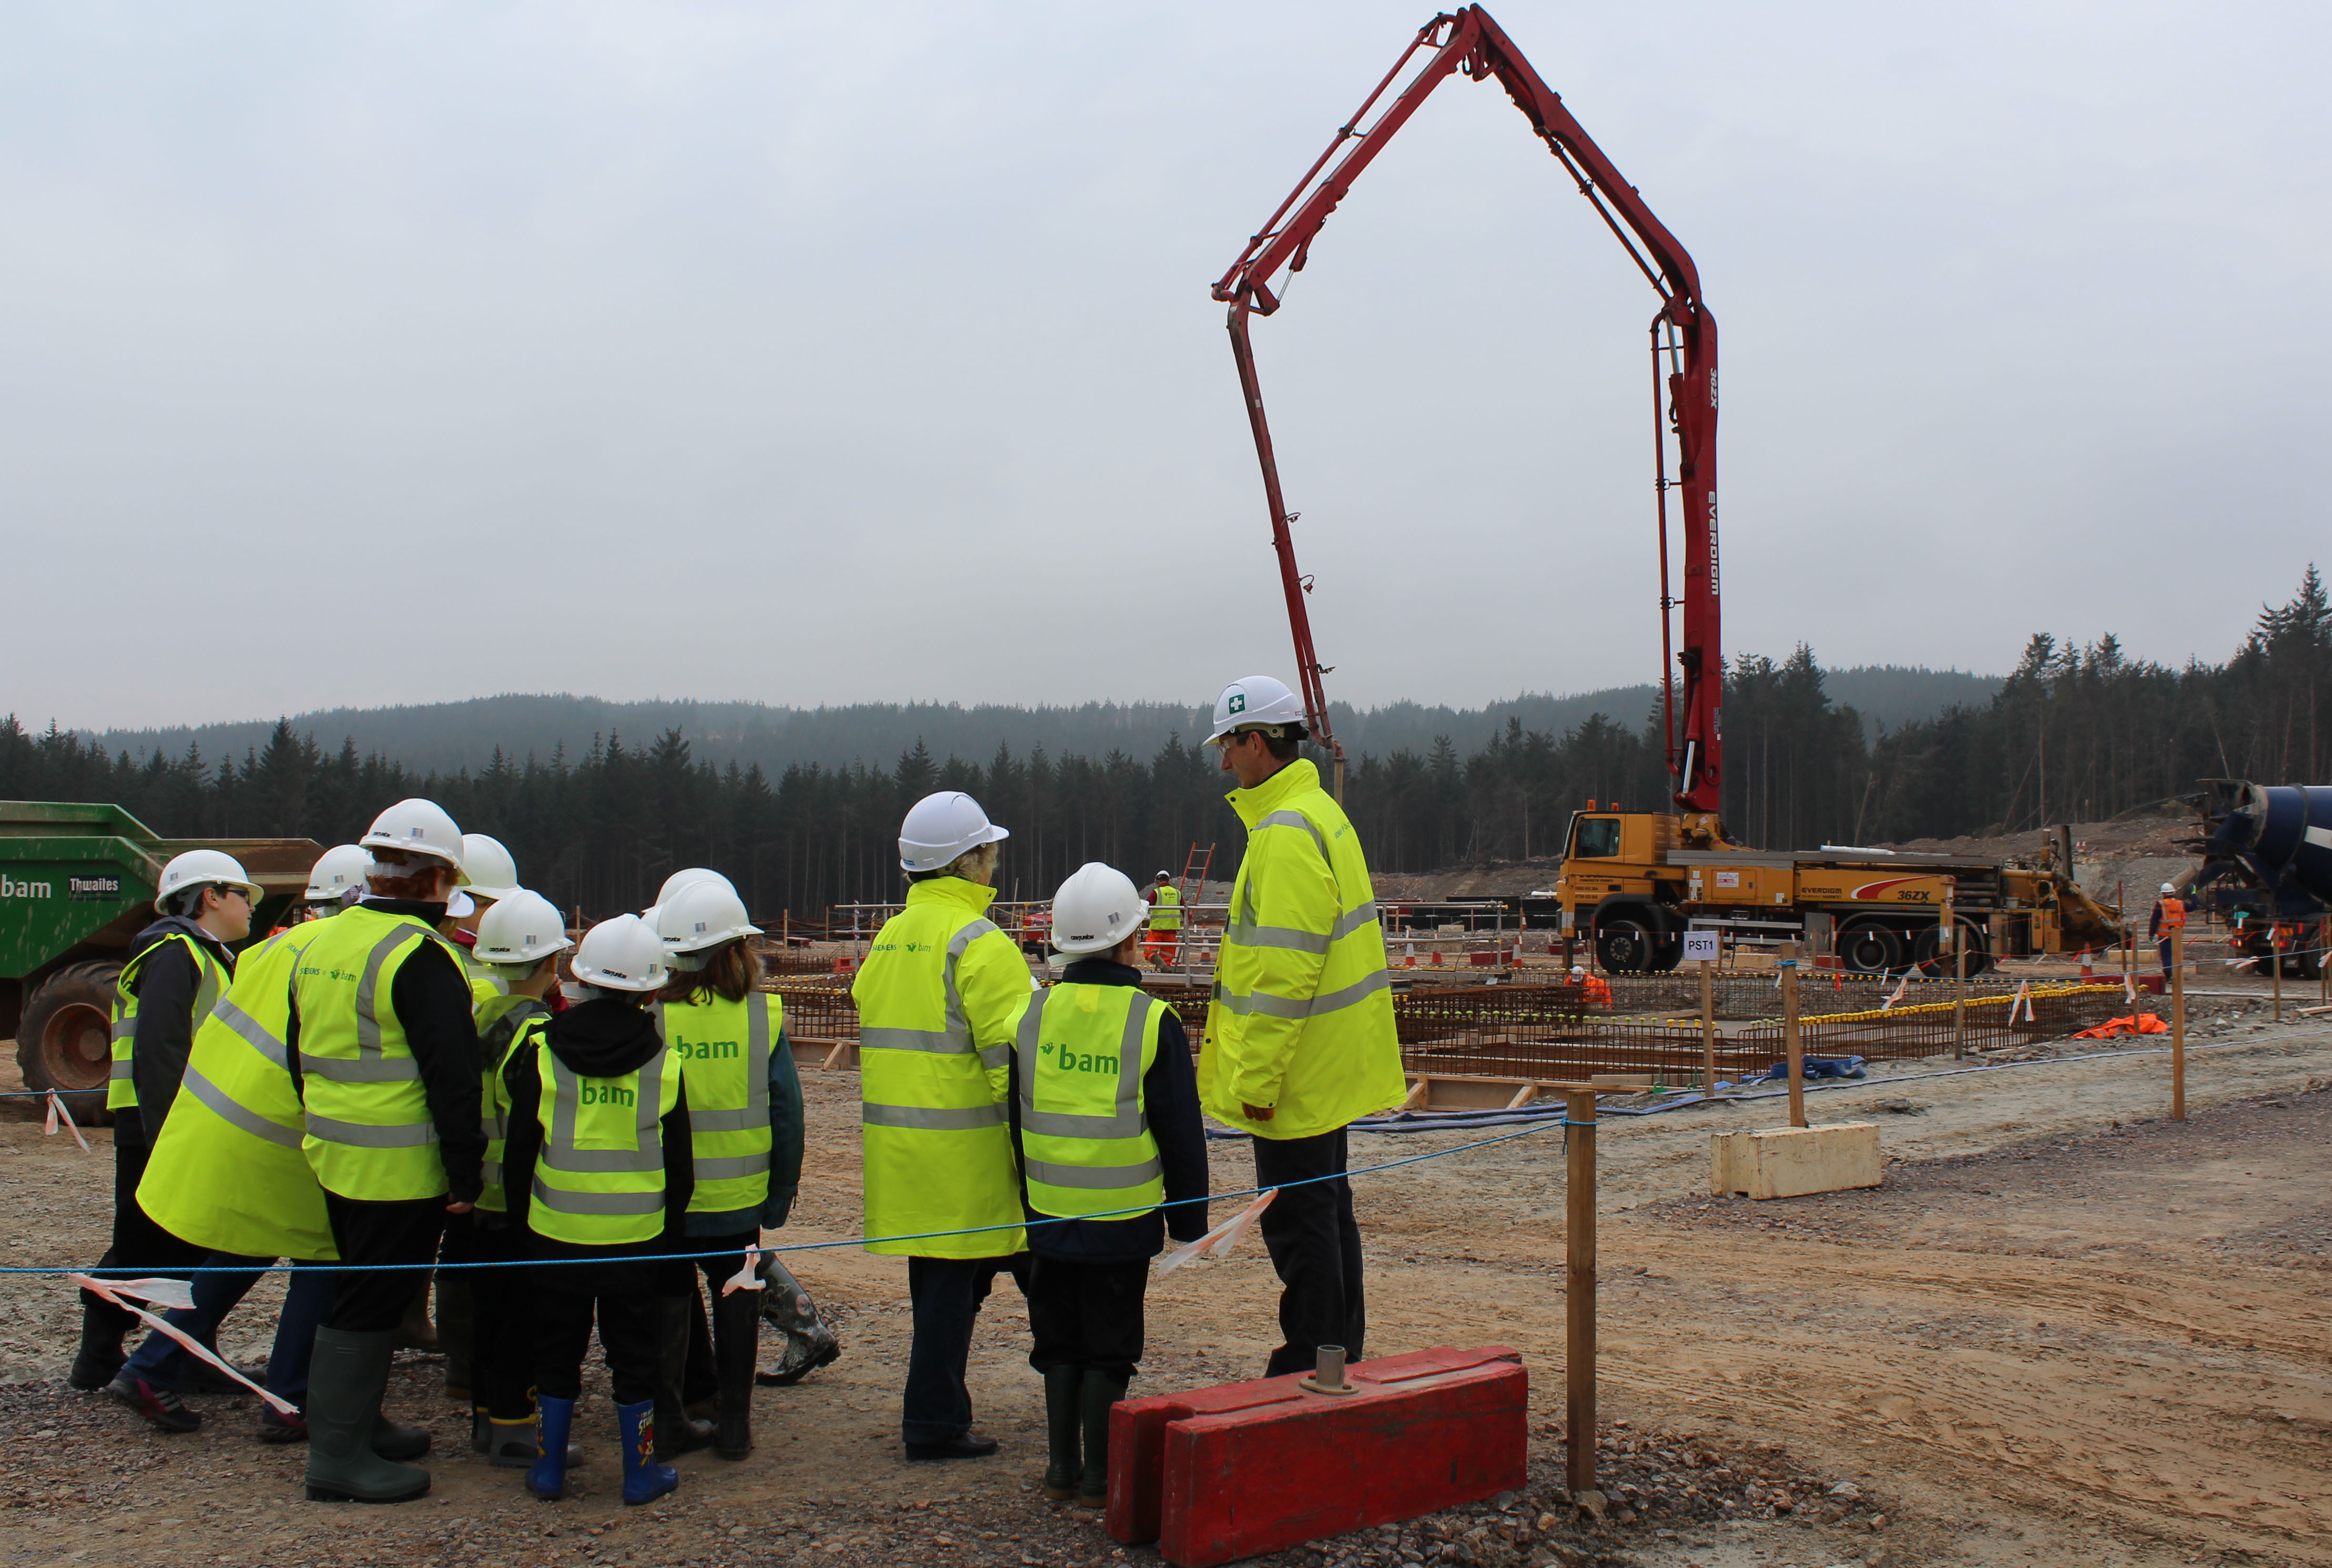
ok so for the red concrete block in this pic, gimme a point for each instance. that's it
(1228, 1472)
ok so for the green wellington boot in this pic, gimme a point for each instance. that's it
(1062, 1466)
(1095, 1395)
(345, 1380)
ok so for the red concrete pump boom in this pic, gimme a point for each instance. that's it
(1684, 351)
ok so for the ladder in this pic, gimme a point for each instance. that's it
(1194, 872)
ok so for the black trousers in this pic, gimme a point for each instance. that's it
(1087, 1315)
(501, 1307)
(405, 1231)
(628, 1322)
(945, 1294)
(1315, 1247)
(139, 1246)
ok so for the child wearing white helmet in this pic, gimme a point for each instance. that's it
(597, 1168)
(180, 966)
(1096, 1165)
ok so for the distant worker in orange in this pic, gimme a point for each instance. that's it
(1164, 938)
(2169, 914)
(1596, 989)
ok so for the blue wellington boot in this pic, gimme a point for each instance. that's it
(547, 1477)
(645, 1480)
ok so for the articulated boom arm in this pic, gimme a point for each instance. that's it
(1683, 333)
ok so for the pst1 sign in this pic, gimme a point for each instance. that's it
(1700, 946)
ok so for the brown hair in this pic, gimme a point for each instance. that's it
(731, 972)
(419, 885)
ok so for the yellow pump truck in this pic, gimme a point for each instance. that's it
(76, 884)
(1634, 882)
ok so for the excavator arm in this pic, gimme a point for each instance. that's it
(1684, 350)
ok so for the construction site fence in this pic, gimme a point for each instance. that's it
(1524, 1031)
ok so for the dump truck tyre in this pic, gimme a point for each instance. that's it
(65, 1041)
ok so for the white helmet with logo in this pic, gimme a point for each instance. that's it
(521, 928)
(701, 915)
(621, 954)
(1256, 701)
(337, 871)
(202, 868)
(1095, 909)
(2167, 888)
(419, 828)
(683, 878)
(487, 869)
(942, 826)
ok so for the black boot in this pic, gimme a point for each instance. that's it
(1095, 1395)
(99, 1358)
(676, 1431)
(1062, 1466)
(736, 1342)
(345, 1381)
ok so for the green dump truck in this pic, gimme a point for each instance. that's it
(76, 884)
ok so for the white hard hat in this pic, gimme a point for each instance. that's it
(621, 954)
(2167, 888)
(703, 915)
(521, 928)
(459, 906)
(487, 869)
(1580, 970)
(1165, 876)
(1253, 700)
(1095, 909)
(683, 878)
(420, 826)
(336, 871)
(202, 868)
(940, 826)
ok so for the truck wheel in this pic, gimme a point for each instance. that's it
(1869, 949)
(1623, 946)
(65, 1041)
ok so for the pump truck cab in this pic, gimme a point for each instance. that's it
(77, 884)
(1633, 883)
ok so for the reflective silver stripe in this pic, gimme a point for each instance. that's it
(560, 1152)
(570, 1202)
(742, 1121)
(125, 1028)
(1272, 1007)
(251, 1030)
(237, 1115)
(933, 1119)
(357, 1135)
(955, 1038)
(376, 1070)
(1129, 1122)
(1297, 820)
(493, 1046)
(1365, 914)
(367, 1019)
(120, 1069)
(941, 1042)
(491, 1172)
(732, 1165)
(1105, 1178)
(1285, 936)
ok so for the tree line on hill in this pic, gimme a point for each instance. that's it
(2075, 733)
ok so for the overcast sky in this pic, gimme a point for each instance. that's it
(382, 353)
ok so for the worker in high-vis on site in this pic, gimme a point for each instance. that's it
(2168, 915)
(1105, 1119)
(383, 1055)
(179, 966)
(1300, 1039)
(940, 999)
(1165, 900)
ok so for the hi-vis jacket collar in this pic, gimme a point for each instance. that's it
(1253, 805)
(952, 890)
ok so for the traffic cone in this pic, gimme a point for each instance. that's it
(2087, 973)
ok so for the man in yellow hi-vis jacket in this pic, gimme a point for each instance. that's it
(1300, 1037)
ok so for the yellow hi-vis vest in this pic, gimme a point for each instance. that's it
(369, 1134)
(939, 998)
(1301, 1019)
(723, 1049)
(227, 1172)
(122, 1088)
(486, 981)
(599, 1179)
(1166, 914)
(1086, 1146)
(512, 1036)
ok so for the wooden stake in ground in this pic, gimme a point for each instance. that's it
(1789, 963)
(1579, 1292)
(2178, 1022)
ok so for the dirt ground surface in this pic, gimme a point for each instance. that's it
(2064, 1329)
